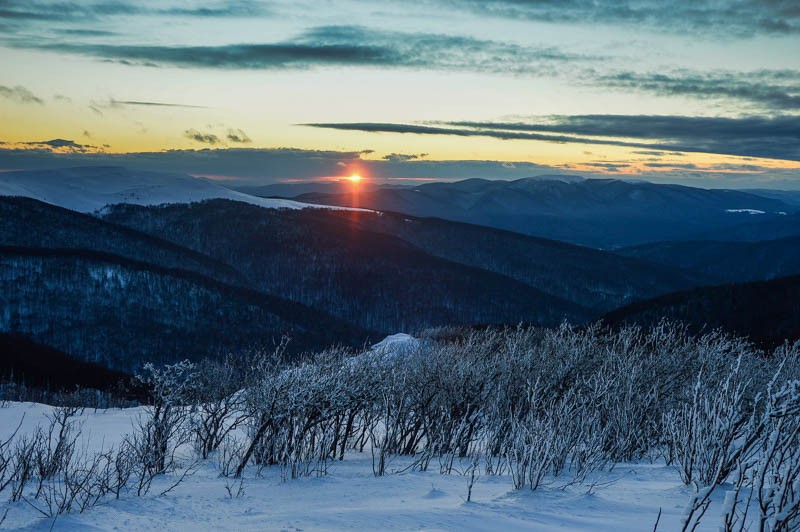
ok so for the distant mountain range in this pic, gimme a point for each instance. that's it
(142, 280)
(602, 213)
(725, 262)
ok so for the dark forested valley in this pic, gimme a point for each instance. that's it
(767, 312)
(163, 283)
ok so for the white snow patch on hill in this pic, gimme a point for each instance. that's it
(391, 347)
(396, 344)
(89, 189)
(745, 211)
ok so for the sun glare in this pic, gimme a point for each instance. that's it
(355, 178)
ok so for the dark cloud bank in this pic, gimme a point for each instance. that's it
(767, 137)
(741, 18)
(333, 46)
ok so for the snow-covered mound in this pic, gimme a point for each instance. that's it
(88, 189)
(396, 344)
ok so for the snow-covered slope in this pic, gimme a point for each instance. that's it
(88, 189)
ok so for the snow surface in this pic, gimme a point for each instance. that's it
(89, 189)
(351, 498)
(396, 344)
(747, 211)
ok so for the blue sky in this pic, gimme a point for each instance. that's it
(705, 93)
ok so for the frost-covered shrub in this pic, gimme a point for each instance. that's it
(766, 494)
(548, 406)
(216, 402)
(704, 435)
(163, 427)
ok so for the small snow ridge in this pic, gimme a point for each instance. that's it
(434, 493)
(745, 211)
(390, 348)
(396, 344)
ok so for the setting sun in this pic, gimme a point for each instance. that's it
(355, 178)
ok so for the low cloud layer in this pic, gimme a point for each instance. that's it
(47, 148)
(253, 166)
(261, 166)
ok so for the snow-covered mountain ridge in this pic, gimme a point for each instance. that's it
(89, 189)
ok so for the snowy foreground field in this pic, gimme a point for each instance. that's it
(515, 429)
(350, 497)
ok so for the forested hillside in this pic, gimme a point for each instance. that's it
(329, 261)
(120, 313)
(766, 312)
(26, 222)
(194, 280)
(594, 278)
(725, 262)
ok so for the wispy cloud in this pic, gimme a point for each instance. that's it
(20, 94)
(403, 157)
(84, 32)
(25, 10)
(98, 107)
(238, 136)
(768, 137)
(764, 89)
(336, 46)
(122, 103)
(741, 18)
(199, 136)
(233, 135)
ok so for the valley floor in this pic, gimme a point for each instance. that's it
(350, 497)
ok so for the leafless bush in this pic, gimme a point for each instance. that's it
(7, 462)
(229, 455)
(768, 472)
(550, 407)
(217, 403)
(163, 427)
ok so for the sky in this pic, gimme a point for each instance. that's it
(698, 92)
